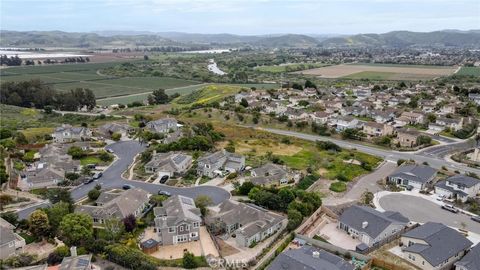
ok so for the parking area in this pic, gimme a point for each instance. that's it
(337, 237)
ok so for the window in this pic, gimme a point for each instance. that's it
(195, 224)
(194, 234)
(171, 229)
(182, 238)
(181, 228)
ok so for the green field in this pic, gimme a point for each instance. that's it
(469, 71)
(71, 76)
(289, 67)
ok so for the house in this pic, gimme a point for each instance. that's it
(433, 246)
(320, 117)
(296, 114)
(177, 221)
(413, 117)
(474, 97)
(10, 242)
(382, 116)
(67, 133)
(250, 223)
(344, 122)
(110, 128)
(452, 123)
(373, 129)
(168, 164)
(407, 137)
(112, 205)
(269, 174)
(276, 107)
(448, 109)
(458, 187)
(369, 225)
(471, 261)
(40, 175)
(211, 164)
(164, 125)
(74, 262)
(416, 176)
(309, 258)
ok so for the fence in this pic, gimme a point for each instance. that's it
(389, 239)
(387, 265)
(310, 221)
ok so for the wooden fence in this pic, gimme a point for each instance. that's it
(388, 265)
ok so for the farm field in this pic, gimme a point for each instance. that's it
(289, 67)
(71, 76)
(380, 72)
(471, 71)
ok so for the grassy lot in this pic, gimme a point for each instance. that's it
(90, 160)
(371, 75)
(471, 71)
(207, 94)
(37, 133)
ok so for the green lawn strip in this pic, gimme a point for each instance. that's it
(338, 186)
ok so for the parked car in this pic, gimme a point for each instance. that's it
(110, 150)
(165, 193)
(450, 208)
(97, 175)
(477, 219)
(88, 180)
(127, 187)
(164, 179)
(91, 166)
(440, 198)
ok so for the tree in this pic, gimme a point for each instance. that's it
(423, 139)
(55, 195)
(76, 152)
(189, 260)
(94, 194)
(244, 102)
(202, 201)
(116, 136)
(20, 138)
(295, 218)
(159, 97)
(38, 223)
(245, 188)
(310, 84)
(130, 223)
(76, 228)
(297, 86)
(11, 217)
(56, 213)
(113, 228)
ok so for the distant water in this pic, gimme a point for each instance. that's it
(33, 54)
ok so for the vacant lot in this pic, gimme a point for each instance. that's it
(380, 72)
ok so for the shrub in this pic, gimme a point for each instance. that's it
(338, 186)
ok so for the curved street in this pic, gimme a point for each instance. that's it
(126, 152)
(422, 210)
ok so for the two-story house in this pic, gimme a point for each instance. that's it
(458, 187)
(164, 125)
(434, 246)
(170, 164)
(67, 133)
(178, 220)
(269, 175)
(369, 225)
(213, 163)
(10, 242)
(344, 122)
(407, 137)
(471, 261)
(373, 129)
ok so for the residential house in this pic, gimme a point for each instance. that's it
(413, 118)
(474, 97)
(112, 205)
(296, 114)
(416, 176)
(164, 125)
(40, 175)
(407, 137)
(212, 164)
(178, 220)
(320, 117)
(310, 92)
(434, 246)
(67, 133)
(269, 174)
(382, 116)
(471, 261)
(108, 129)
(77, 262)
(369, 225)
(10, 242)
(453, 124)
(458, 187)
(276, 107)
(448, 109)
(250, 223)
(373, 129)
(170, 164)
(309, 258)
(344, 122)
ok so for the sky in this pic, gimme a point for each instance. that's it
(246, 17)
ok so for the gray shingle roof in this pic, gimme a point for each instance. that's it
(355, 215)
(76, 263)
(464, 180)
(303, 258)
(175, 210)
(417, 173)
(442, 242)
(471, 261)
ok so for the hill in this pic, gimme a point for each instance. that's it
(289, 40)
(404, 39)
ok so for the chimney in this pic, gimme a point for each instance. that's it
(73, 251)
(154, 152)
(364, 224)
(316, 254)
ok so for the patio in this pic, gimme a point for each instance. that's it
(337, 237)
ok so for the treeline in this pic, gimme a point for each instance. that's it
(12, 61)
(161, 49)
(17, 61)
(36, 94)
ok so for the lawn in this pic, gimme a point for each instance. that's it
(37, 133)
(90, 160)
(338, 186)
(469, 71)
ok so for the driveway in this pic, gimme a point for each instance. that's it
(422, 210)
(126, 152)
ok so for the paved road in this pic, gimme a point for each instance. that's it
(421, 210)
(126, 151)
(442, 150)
(391, 155)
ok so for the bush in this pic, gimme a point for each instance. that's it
(116, 136)
(338, 186)
(307, 181)
(189, 261)
(94, 194)
(131, 258)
